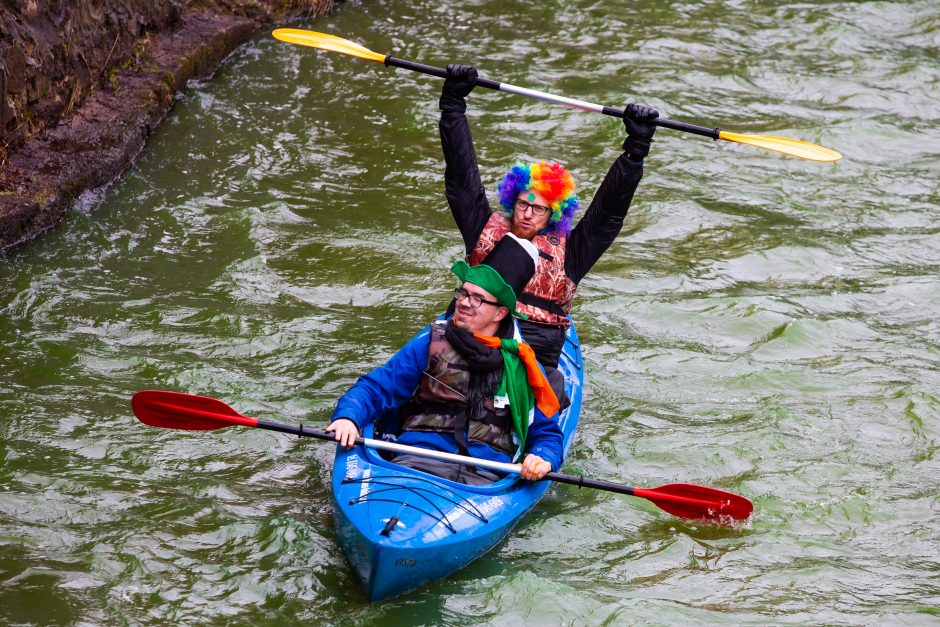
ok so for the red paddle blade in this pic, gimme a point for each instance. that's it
(698, 502)
(173, 410)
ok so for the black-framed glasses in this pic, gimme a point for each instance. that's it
(538, 210)
(475, 300)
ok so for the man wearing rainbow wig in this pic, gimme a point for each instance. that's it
(537, 202)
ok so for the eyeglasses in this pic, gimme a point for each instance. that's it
(538, 210)
(475, 300)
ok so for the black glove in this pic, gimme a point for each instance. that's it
(461, 79)
(639, 120)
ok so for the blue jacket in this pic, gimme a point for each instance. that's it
(388, 387)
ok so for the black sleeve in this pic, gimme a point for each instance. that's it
(604, 218)
(463, 185)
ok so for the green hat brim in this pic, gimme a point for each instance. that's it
(489, 279)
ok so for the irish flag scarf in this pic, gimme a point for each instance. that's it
(523, 383)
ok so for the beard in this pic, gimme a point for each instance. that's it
(522, 232)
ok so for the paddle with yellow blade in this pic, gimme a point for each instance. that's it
(793, 147)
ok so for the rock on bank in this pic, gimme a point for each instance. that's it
(83, 83)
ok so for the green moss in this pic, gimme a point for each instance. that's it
(139, 58)
(28, 118)
(42, 198)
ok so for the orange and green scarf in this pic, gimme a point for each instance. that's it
(523, 383)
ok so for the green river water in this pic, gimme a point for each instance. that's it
(763, 324)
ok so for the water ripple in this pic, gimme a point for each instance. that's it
(763, 325)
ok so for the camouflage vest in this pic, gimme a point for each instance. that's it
(547, 297)
(439, 403)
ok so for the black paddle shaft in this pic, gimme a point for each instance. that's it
(308, 432)
(557, 477)
(616, 112)
(434, 71)
(581, 482)
(298, 430)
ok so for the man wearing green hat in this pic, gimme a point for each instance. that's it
(465, 384)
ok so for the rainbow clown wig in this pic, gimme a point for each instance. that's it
(552, 181)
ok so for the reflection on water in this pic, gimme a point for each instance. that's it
(763, 325)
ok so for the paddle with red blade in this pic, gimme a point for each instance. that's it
(173, 410)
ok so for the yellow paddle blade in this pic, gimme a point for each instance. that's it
(794, 147)
(323, 41)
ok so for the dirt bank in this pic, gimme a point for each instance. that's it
(84, 83)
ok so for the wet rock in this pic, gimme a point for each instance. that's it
(85, 83)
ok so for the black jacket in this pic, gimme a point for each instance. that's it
(466, 196)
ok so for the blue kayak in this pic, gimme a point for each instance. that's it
(401, 528)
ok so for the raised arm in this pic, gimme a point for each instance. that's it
(604, 218)
(462, 183)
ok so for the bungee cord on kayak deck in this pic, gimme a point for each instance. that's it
(388, 480)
